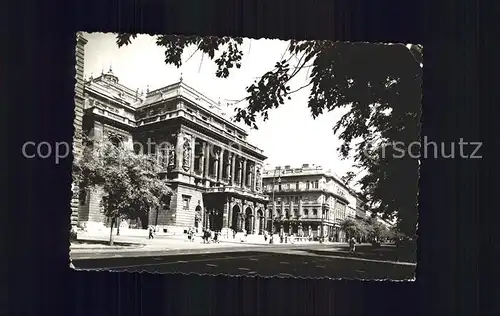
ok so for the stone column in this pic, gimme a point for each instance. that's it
(193, 151)
(221, 164)
(201, 162)
(216, 164)
(225, 215)
(252, 223)
(178, 151)
(228, 165)
(250, 176)
(254, 176)
(230, 214)
(233, 168)
(240, 172)
(206, 159)
(244, 180)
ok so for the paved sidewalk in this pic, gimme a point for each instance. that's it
(89, 243)
(137, 240)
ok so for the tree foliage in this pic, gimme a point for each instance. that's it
(380, 85)
(376, 232)
(353, 228)
(129, 182)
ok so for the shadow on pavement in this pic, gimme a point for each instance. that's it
(385, 253)
(79, 242)
(252, 263)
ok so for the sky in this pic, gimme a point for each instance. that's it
(289, 137)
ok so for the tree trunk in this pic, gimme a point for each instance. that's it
(118, 228)
(111, 232)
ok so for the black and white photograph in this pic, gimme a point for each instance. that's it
(246, 157)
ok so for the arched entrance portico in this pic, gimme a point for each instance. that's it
(235, 220)
(214, 217)
(249, 220)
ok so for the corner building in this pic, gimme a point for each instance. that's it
(216, 175)
(308, 201)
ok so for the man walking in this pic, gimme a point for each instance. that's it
(352, 245)
(151, 235)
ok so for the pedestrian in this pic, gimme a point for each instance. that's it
(265, 236)
(216, 237)
(205, 236)
(151, 235)
(352, 244)
(192, 234)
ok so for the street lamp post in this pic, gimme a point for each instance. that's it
(271, 239)
(322, 228)
(322, 219)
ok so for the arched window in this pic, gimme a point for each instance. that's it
(115, 139)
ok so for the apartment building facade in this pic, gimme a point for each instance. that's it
(307, 201)
(216, 175)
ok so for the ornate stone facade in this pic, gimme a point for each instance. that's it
(213, 181)
(186, 154)
(77, 138)
(308, 201)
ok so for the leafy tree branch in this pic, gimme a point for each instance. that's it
(380, 85)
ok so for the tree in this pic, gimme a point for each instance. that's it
(348, 177)
(376, 231)
(353, 228)
(129, 182)
(379, 84)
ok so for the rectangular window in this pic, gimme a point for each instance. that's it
(185, 201)
(316, 184)
(308, 185)
(297, 185)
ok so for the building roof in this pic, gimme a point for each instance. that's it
(108, 85)
(305, 170)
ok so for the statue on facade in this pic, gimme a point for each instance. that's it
(171, 157)
(186, 155)
(251, 175)
(258, 179)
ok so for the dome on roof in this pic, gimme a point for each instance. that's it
(110, 76)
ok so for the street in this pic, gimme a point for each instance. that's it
(292, 261)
